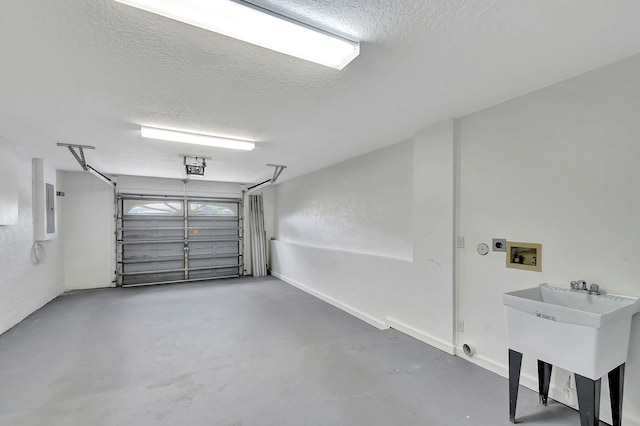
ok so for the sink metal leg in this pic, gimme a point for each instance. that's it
(616, 385)
(544, 378)
(588, 400)
(515, 362)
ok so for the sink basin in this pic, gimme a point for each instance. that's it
(584, 333)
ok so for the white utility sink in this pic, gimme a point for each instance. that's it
(584, 333)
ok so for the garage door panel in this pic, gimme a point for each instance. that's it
(153, 234)
(153, 278)
(213, 248)
(196, 234)
(151, 222)
(153, 266)
(152, 250)
(218, 262)
(222, 272)
(213, 217)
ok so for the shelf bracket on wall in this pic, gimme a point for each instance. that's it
(79, 156)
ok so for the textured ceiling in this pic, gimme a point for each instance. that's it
(90, 72)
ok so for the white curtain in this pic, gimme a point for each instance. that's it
(258, 236)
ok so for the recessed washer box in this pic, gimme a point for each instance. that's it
(524, 256)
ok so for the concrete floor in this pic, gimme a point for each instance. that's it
(239, 352)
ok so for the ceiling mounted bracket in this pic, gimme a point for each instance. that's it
(276, 174)
(79, 156)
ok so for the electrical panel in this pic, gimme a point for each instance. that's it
(8, 187)
(44, 201)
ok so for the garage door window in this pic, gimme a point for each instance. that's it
(212, 209)
(152, 208)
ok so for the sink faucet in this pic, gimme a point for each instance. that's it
(581, 285)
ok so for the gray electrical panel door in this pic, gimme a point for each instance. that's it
(51, 212)
(171, 239)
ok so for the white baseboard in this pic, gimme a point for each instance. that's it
(378, 323)
(488, 364)
(427, 338)
(72, 288)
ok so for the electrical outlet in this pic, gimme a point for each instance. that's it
(460, 242)
(499, 244)
(460, 327)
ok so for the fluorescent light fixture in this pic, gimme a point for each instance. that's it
(258, 26)
(195, 138)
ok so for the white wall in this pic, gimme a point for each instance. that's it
(559, 167)
(343, 233)
(362, 205)
(88, 223)
(426, 302)
(373, 236)
(25, 285)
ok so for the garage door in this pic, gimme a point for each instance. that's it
(171, 239)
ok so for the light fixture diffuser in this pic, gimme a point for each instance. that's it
(257, 26)
(195, 138)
